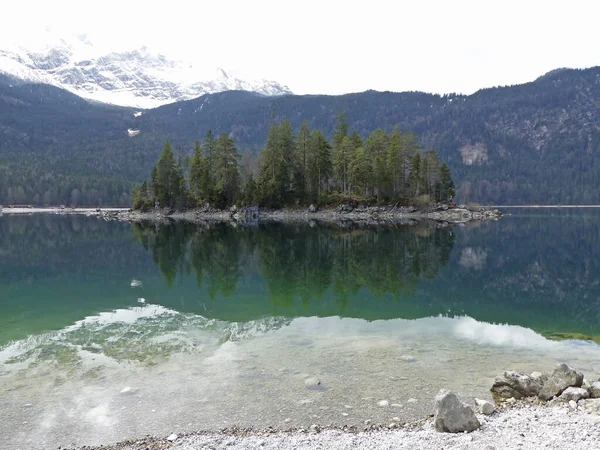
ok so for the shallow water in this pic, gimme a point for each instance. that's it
(109, 332)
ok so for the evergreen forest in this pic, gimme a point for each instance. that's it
(298, 169)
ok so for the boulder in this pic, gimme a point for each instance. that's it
(594, 389)
(312, 209)
(516, 385)
(453, 416)
(485, 407)
(574, 393)
(560, 379)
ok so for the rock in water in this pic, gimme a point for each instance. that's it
(453, 416)
(485, 407)
(314, 384)
(515, 384)
(574, 394)
(560, 379)
(312, 209)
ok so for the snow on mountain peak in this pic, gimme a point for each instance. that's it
(138, 78)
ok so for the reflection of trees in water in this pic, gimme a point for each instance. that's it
(301, 262)
(38, 246)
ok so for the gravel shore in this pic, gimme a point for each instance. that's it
(361, 215)
(523, 426)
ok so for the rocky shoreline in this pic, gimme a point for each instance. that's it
(533, 411)
(365, 215)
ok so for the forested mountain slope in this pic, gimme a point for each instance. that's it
(531, 143)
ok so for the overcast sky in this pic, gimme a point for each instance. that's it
(334, 47)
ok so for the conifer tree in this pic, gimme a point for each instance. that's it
(340, 152)
(414, 176)
(301, 163)
(226, 171)
(165, 174)
(446, 190)
(319, 165)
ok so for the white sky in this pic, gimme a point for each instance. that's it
(334, 47)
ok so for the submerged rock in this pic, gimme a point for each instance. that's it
(560, 379)
(453, 416)
(314, 384)
(515, 384)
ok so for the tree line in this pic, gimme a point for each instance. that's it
(300, 169)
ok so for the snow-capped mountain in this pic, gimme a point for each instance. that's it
(138, 78)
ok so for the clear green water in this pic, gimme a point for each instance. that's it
(228, 323)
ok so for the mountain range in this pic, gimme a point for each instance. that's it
(537, 142)
(139, 78)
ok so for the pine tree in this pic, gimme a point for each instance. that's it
(340, 155)
(277, 167)
(414, 176)
(179, 191)
(302, 153)
(446, 191)
(195, 173)
(210, 147)
(359, 171)
(165, 174)
(319, 166)
(226, 171)
(376, 151)
(408, 149)
(393, 162)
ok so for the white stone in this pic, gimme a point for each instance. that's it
(412, 400)
(408, 358)
(383, 403)
(573, 404)
(485, 407)
(172, 437)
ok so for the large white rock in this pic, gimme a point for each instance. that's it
(453, 416)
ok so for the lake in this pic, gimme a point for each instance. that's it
(111, 331)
